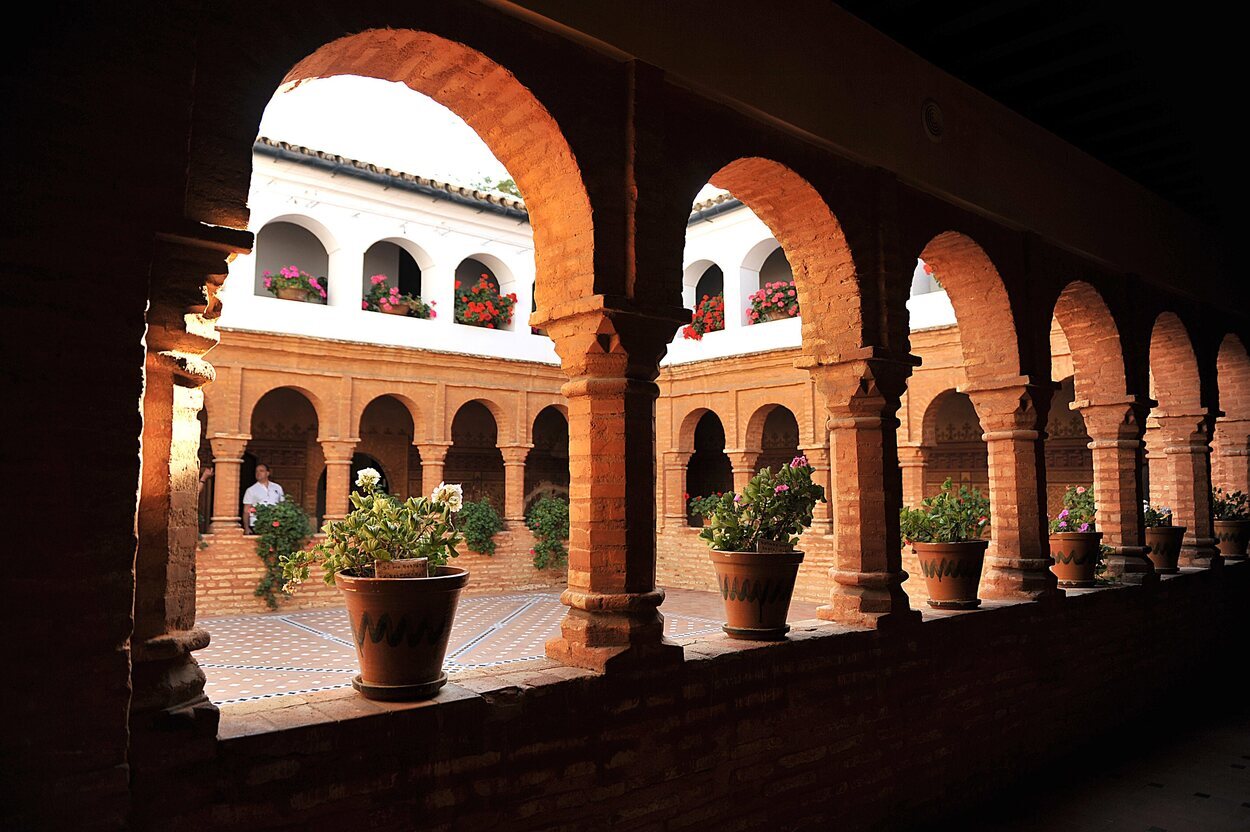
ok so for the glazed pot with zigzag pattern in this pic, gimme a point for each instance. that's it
(401, 627)
(1076, 558)
(1232, 536)
(756, 588)
(952, 572)
(1165, 547)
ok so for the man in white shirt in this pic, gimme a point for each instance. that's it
(260, 493)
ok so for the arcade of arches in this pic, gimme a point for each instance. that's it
(841, 723)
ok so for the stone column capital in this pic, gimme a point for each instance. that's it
(514, 454)
(228, 447)
(865, 385)
(1011, 408)
(434, 452)
(1185, 432)
(601, 337)
(338, 451)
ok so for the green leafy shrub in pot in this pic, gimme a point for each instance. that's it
(480, 523)
(1078, 512)
(281, 529)
(1229, 505)
(950, 516)
(1157, 517)
(548, 519)
(773, 508)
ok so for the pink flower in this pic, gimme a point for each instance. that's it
(1084, 527)
(268, 281)
(364, 304)
(276, 524)
(737, 498)
(799, 462)
(1063, 514)
(1063, 524)
(433, 314)
(378, 278)
(1080, 489)
(781, 489)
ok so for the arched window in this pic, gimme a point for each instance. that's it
(280, 244)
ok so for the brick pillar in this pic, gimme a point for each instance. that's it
(611, 357)
(338, 456)
(1013, 416)
(675, 463)
(514, 457)
(745, 464)
(227, 469)
(1156, 465)
(862, 396)
(1187, 472)
(822, 515)
(433, 460)
(1115, 430)
(1233, 439)
(913, 460)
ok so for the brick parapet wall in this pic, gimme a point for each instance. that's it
(228, 569)
(862, 729)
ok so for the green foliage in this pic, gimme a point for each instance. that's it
(704, 506)
(548, 519)
(380, 527)
(281, 531)
(1229, 505)
(1078, 511)
(1157, 516)
(950, 516)
(480, 523)
(503, 186)
(773, 508)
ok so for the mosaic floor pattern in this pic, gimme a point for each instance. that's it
(276, 654)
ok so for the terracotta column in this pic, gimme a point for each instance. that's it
(1233, 440)
(338, 456)
(611, 357)
(433, 460)
(1013, 415)
(675, 463)
(1115, 430)
(862, 395)
(822, 515)
(745, 464)
(1187, 471)
(514, 457)
(227, 469)
(913, 459)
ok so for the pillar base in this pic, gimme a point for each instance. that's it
(1019, 579)
(1131, 566)
(1202, 553)
(614, 633)
(232, 527)
(869, 599)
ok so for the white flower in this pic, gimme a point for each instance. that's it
(451, 496)
(367, 478)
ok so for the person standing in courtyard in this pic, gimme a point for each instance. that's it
(263, 492)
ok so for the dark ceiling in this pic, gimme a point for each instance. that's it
(1137, 86)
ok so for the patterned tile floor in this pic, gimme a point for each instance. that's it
(263, 656)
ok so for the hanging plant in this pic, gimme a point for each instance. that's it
(774, 302)
(281, 531)
(548, 519)
(480, 523)
(709, 316)
(483, 305)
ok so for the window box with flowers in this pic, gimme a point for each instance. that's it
(709, 316)
(774, 302)
(484, 305)
(388, 299)
(752, 537)
(945, 533)
(389, 558)
(1163, 539)
(1232, 521)
(1075, 545)
(290, 283)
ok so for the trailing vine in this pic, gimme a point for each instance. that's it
(281, 530)
(479, 522)
(548, 519)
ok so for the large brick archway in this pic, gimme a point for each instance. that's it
(1231, 461)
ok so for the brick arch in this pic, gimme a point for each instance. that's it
(1232, 368)
(414, 412)
(813, 241)
(987, 326)
(559, 407)
(687, 425)
(517, 128)
(932, 413)
(252, 398)
(503, 425)
(1094, 342)
(753, 437)
(1174, 378)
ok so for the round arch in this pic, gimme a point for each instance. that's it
(517, 128)
(498, 412)
(1230, 460)
(1175, 382)
(951, 435)
(686, 426)
(1094, 343)
(414, 411)
(254, 397)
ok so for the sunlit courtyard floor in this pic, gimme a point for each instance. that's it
(277, 654)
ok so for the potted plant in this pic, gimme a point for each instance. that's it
(945, 533)
(383, 297)
(774, 302)
(1075, 545)
(483, 305)
(1232, 521)
(1163, 538)
(389, 559)
(709, 316)
(290, 283)
(703, 507)
(752, 537)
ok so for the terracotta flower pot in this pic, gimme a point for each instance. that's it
(1165, 547)
(773, 314)
(952, 572)
(1232, 536)
(401, 627)
(292, 293)
(395, 309)
(1076, 557)
(756, 588)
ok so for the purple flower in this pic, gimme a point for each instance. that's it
(781, 489)
(799, 461)
(1063, 514)
(737, 498)
(1084, 527)
(1063, 524)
